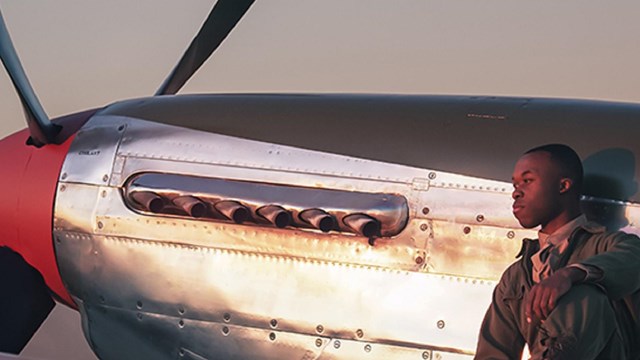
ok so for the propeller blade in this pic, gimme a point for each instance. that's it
(24, 301)
(42, 130)
(223, 18)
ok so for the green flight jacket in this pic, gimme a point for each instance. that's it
(505, 331)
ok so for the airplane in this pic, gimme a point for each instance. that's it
(282, 225)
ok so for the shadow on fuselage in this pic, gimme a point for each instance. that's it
(609, 184)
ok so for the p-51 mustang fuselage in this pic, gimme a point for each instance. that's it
(248, 226)
(162, 280)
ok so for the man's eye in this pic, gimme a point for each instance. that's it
(526, 181)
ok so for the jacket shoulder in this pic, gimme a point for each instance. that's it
(605, 239)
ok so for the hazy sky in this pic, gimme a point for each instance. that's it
(87, 53)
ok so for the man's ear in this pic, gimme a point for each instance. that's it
(566, 184)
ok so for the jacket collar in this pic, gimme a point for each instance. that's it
(531, 246)
(591, 227)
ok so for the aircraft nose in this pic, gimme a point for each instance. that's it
(27, 191)
(14, 157)
(26, 300)
(28, 267)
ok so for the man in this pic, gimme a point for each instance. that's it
(570, 294)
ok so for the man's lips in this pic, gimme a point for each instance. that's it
(517, 208)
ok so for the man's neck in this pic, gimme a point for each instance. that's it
(559, 221)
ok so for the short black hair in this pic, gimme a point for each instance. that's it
(568, 160)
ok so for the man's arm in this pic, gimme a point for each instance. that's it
(500, 337)
(543, 296)
(619, 260)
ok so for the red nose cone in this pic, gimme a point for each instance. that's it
(27, 192)
(14, 157)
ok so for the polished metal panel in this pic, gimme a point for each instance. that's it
(160, 286)
(160, 280)
(95, 145)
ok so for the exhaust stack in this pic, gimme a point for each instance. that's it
(276, 215)
(148, 200)
(232, 210)
(363, 225)
(191, 205)
(253, 203)
(319, 219)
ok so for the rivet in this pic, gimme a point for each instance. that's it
(440, 324)
(319, 329)
(181, 310)
(100, 225)
(424, 227)
(432, 175)
(273, 323)
(426, 355)
(419, 260)
(226, 317)
(480, 218)
(272, 336)
(318, 342)
(367, 348)
(139, 304)
(336, 344)
(58, 239)
(466, 230)
(181, 323)
(121, 127)
(101, 299)
(181, 352)
(104, 193)
(438, 356)
(425, 210)
(359, 333)
(64, 176)
(63, 188)
(225, 330)
(139, 316)
(105, 178)
(511, 234)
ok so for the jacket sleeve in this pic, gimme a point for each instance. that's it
(618, 257)
(500, 337)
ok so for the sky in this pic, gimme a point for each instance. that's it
(82, 54)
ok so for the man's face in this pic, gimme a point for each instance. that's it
(537, 184)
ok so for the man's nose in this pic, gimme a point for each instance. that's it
(516, 194)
